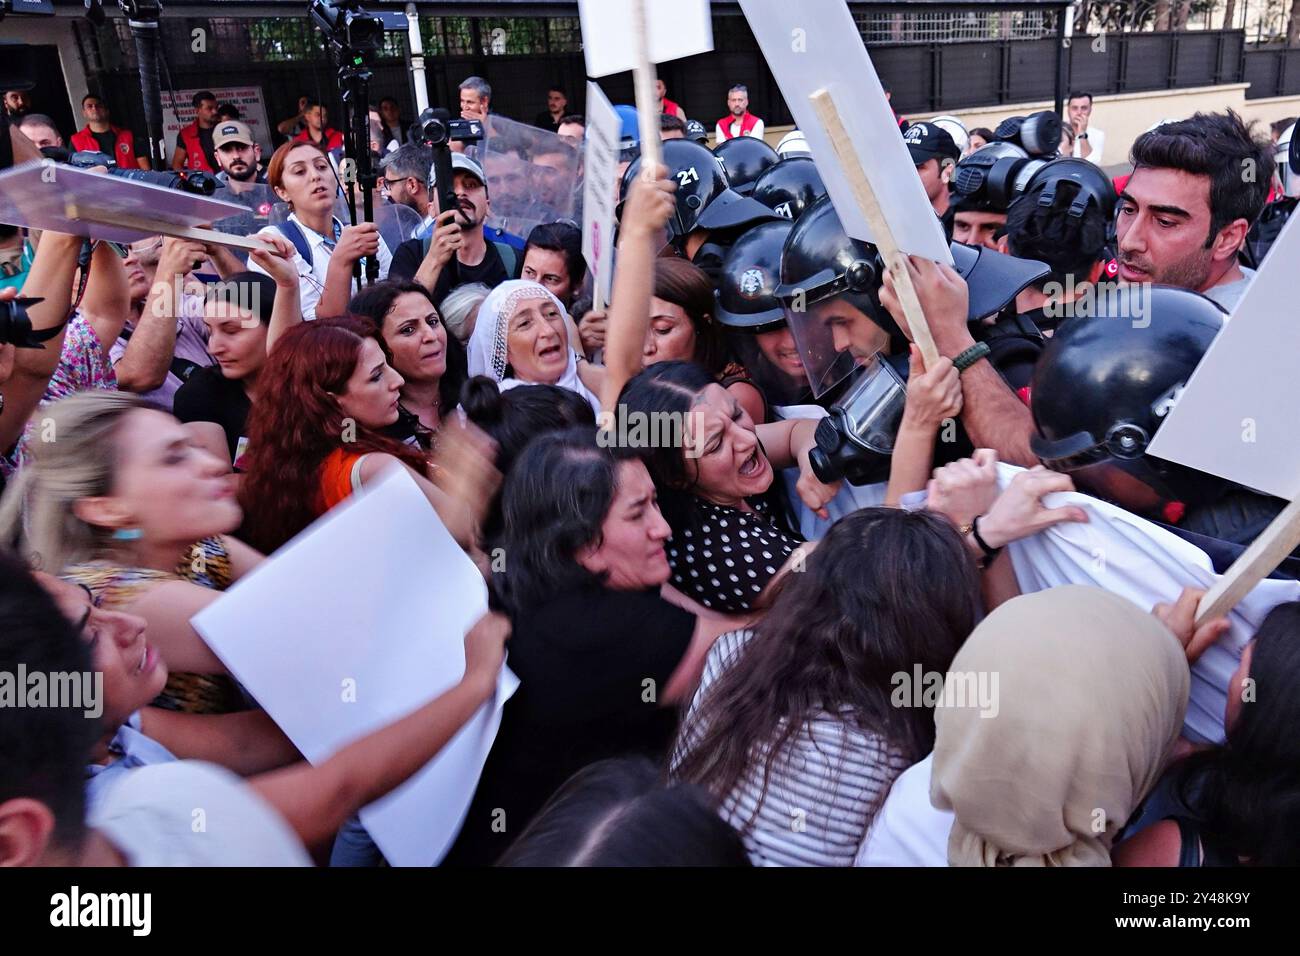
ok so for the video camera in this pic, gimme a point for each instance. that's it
(991, 178)
(196, 181)
(435, 128)
(346, 25)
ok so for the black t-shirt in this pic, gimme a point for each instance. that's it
(107, 141)
(544, 121)
(406, 262)
(583, 660)
(208, 396)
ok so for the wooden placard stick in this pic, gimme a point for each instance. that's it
(894, 258)
(153, 227)
(1256, 563)
(643, 76)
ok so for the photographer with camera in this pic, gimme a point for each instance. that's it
(459, 250)
(325, 249)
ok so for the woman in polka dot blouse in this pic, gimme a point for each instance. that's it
(711, 466)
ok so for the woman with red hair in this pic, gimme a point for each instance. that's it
(321, 439)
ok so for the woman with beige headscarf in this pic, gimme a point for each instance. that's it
(1089, 699)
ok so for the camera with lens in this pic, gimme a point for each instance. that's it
(190, 181)
(435, 128)
(16, 326)
(855, 441)
(347, 26)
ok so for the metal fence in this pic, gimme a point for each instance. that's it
(934, 61)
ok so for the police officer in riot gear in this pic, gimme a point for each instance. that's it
(710, 214)
(745, 158)
(830, 288)
(1100, 393)
(790, 186)
(1064, 218)
(754, 317)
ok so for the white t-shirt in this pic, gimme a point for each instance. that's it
(1097, 140)
(719, 135)
(189, 813)
(1229, 293)
(908, 830)
(311, 275)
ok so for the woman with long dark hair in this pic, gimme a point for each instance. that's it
(322, 438)
(604, 651)
(730, 539)
(800, 713)
(416, 344)
(1239, 803)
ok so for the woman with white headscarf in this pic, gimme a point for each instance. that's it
(524, 336)
(1087, 707)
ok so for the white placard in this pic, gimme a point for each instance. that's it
(252, 111)
(354, 624)
(1236, 417)
(674, 29)
(809, 51)
(599, 188)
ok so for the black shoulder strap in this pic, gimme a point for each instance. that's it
(1189, 849)
(289, 229)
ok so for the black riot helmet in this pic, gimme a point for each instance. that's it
(749, 278)
(748, 308)
(744, 158)
(820, 262)
(705, 199)
(1106, 382)
(1094, 186)
(790, 186)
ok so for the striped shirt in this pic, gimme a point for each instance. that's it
(824, 788)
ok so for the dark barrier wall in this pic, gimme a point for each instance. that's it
(288, 59)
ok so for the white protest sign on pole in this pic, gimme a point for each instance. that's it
(619, 35)
(252, 111)
(674, 29)
(1236, 416)
(809, 51)
(599, 190)
(334, 650)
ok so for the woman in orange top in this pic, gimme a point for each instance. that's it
(321, 440)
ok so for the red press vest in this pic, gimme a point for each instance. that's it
(747, 123)
(123, 152)
(194, 155)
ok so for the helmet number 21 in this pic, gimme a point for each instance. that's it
(685, 176)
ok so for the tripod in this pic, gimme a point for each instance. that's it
(354, 84)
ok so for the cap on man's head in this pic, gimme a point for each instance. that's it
(459, 161)
(232, 131)
(926, 141)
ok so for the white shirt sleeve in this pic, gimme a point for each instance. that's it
(757, 131)
(718, 135)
